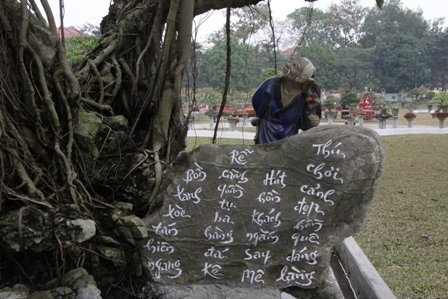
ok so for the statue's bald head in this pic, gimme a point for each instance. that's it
(299, 69)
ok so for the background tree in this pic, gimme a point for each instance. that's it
(438, 59)
(315, 32)
(390, 21)
(78, 47)
(400, 63)
(350, 100)
(327, 64)
(345, 23)
(355, 47)
(248, 21)
(243, 74)
(356, 68)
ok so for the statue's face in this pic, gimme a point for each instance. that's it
(291, 69)
(299, 69)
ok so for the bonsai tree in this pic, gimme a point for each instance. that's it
(331, 102)
(350, 100)
(441, 113)
(410, 114)
(441, 101)
(84, 147)
(421, 94)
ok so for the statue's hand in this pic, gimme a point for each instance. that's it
(255, 121)
(314, 120)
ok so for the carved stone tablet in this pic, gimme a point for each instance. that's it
(263, 215)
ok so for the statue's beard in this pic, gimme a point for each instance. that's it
(285, 72)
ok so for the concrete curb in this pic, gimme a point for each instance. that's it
(224, 132)
(366, 282)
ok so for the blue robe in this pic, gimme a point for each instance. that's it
(278, 122)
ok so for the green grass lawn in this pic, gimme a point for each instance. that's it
(405, 234)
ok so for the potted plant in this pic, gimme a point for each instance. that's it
(329, 105)
(349, 101)
(441, 101)
(383, 113)
(395, 109)
(410, 115)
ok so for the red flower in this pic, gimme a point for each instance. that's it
(440, 115)
(409, 115)
(311, 98)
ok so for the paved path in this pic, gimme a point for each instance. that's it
(203, 130)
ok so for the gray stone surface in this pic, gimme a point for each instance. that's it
(217, 292)
(329, 290)
(262, 216)
(75, 284)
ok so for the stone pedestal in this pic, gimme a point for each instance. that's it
(245, 119)
(441, 116)
(395, 117)
(361, 119)
(382, 117)
(330, 115)
(410, 116)
(351, 121)
(394, 123)
(232, 123)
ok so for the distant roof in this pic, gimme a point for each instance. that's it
(70, 32)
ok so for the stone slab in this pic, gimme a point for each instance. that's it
(262, 216)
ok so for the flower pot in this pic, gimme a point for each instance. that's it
(441, 116)
(232, 123)
(382, 116)
(395, 112)
(410, 118)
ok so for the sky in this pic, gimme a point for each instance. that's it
(80, 12)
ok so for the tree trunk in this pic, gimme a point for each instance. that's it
(83, 149)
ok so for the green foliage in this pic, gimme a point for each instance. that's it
(249, 21)
(375, 48)
(331, 102)
(399, 60)
(421, 94)
(209, 96)
(441, 100)
(213, 97)
(390, 21)
(316, 32)
(438, 58)
(345, 23)
(350, 100)
(327, 64)
(244, 67)
(356, 67)
(270, 72)
(77, 47)
(353, 48)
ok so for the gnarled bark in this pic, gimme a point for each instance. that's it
(83, 149)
